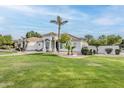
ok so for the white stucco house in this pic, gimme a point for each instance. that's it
(48, 42)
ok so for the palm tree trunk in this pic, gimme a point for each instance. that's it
(68, 52)
(59, 37)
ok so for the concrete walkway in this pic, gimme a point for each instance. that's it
(72, 56)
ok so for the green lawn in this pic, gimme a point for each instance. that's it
(52, 71)
(2, 53)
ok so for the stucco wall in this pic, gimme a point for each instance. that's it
(34, 46)
(101, 49)
(78, 45)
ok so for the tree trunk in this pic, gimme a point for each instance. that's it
(59, 37)
(71, 52)
(97, 49)
(68, 52)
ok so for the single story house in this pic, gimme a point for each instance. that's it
(48, 42)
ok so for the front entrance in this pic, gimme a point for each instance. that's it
(47, 45)
(57, 47)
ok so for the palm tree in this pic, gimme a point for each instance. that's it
(59, 22)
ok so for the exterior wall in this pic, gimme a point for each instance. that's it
(31, 46)
(92, 47)
(78, 45)
(101, 49)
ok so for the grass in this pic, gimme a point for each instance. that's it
(5, 52)
(39, 70)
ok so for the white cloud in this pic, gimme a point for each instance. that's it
(64, 11)
(107, 21)
(112, 15)
(24, 9)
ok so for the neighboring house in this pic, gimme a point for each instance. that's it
(48, 42)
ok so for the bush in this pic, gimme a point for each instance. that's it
(117, 51)
(94, 51)
(84, 51)
(108, 50)
(5, 47)
(90, 52)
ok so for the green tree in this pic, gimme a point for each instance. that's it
(103, 40)
(96, 43)
(68, 47)
(59, 22)
(113, 39)
(32, 34)
(1, 40)
(88, 38)
(64, 38)
(8, 40)
(122, 44)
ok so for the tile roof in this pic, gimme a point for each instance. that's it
(33, 39)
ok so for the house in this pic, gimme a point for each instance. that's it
(48, 42)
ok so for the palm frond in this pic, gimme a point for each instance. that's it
(64, 22)
(53, 21)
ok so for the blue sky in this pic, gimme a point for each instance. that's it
(95, 20)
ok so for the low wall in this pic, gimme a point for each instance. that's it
(101, 49)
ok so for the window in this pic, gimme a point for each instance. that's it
(61, 46)
(75, 44)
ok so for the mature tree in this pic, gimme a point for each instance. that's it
(88, 38)
(1, 40)
(103, 40)
(64, 38)
(122, 44)
(32, 34)
(8, 40)
(113, 39)
(96, 43)
(102, 37)
(59, 22)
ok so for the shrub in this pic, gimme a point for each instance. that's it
(84, 51)
(94, 51)
(5, 47)
(117, 51)
(90, 52)
(108, 50)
